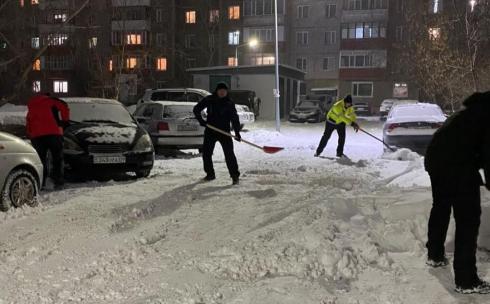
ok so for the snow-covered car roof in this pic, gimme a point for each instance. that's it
(90, 100)
(416, 112)
(171, 103)
(204, 92)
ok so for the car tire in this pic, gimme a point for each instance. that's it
(143, 173)
(21, 188)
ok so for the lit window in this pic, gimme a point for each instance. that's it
(60, 86)
(162, 64)
(37, 65)
(35, 43)
(59, 18)
(57, 39)
(21, 3)
(234, 12)
(434, 33)
(234, 38)
(214, 16)
(111, 65)
(132, 62)
(92, 42)
(232, 61)
(34, 2)
(133, 39)
(36, 86)
(190, 17)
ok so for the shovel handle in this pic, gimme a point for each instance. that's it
(378, 139)
(232, 136)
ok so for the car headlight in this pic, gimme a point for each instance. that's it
(144, 144)
(71, 147)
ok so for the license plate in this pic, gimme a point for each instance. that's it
(109, 159)
(187, 128)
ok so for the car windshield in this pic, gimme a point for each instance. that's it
(308, 104)
(240, 97)
(100, 112)
(417, 111)
(172, 96)
(177, 111)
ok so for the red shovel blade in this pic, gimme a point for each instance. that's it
(272, 150)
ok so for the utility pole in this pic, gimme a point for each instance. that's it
(277, 93)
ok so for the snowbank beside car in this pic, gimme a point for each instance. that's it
(13, 114)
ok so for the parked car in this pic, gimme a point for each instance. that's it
(21, 172)
(171, 125)
(387, 104)
(104, 137)
(412, 126)
(362, 109)
(308, 111)
(247, 98)
(193, 95)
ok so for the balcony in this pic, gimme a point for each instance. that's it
(364, 15)
(131, 25)
(127, 3)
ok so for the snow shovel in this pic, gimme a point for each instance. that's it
(378, 139)
(266, 149)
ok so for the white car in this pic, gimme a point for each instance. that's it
(21, 172)
(412, 125)
(387, 104)
(194, 96)
(171, 124)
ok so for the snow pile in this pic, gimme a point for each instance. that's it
(402, 155)
(13, 115)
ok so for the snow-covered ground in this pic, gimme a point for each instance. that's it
(298, 229)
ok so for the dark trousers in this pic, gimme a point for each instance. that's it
(210, 140)
(329, 128)
(54, 145)
(464, 199)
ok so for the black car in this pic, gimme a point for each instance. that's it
(247, 98)
(104, 138)
(308, 111)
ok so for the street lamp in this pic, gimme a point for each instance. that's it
(472, 4)
(252, 43)
(277, 93)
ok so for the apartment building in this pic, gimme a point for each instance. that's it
(364, 48)
(315, 43)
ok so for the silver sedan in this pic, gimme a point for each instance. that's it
(21, 173)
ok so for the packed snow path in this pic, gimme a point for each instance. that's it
(297, 229)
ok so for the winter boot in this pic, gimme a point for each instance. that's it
(209, 178)
(235, 180)
(437, 263)
(481, 287)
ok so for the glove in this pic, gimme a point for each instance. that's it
(238, 137)
(203, 123)
(356, 126)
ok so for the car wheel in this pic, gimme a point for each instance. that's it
(20, 189)
(143, 173)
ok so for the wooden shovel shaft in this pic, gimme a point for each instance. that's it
(232, 136)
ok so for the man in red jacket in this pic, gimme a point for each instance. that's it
(46, 118)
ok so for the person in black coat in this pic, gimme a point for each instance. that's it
(454, 158)
(222, 114)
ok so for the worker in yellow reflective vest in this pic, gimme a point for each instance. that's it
(340, 115)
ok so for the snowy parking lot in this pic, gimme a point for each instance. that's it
(297, 230)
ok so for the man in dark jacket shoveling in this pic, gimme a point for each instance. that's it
(222, 114)
(458, 151)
